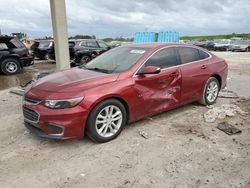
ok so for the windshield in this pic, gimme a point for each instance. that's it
(116, 60)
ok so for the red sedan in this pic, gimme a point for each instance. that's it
(121, 86)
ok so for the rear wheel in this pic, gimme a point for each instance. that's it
(211, 91)
(10, 66)
(106, 120)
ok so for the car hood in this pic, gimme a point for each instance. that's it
(75, 79)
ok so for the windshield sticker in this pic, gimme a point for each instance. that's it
(137, 51)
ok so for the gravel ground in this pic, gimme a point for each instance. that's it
(181, 149)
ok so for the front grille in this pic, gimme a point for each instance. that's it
(31, 101)
(30, 115)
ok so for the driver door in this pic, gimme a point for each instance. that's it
(158, 92)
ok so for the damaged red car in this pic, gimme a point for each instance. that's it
(121, 86)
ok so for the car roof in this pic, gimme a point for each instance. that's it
(156, 45)
(6, 37)
(73, 40)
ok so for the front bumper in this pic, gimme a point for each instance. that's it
(32, 128)
(62, 124)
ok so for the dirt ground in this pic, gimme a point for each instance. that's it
(181, 149)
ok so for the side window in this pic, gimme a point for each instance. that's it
(92, 44)
(188, 54)
(83, 43)
(3, 46)
(163, 58)
(17, 43)
(203, 55)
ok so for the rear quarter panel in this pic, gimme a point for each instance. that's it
(219, 66)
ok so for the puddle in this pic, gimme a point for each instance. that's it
(15, 80)
(25, 75)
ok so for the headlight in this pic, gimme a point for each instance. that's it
(64, 103)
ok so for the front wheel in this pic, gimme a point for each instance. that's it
(106, 120)
(211, 91)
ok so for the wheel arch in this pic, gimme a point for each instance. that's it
(217, 76)
(119, 98)
(16, 57)
(10, 56)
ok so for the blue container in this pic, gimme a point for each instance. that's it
(143, 37)
(168, 36)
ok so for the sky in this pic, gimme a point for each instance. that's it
(114, 18)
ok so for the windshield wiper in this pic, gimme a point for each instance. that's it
(99, 70)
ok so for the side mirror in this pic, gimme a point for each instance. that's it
(150, 70)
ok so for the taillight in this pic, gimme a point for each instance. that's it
(27, 53)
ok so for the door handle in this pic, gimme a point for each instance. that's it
(203, 66)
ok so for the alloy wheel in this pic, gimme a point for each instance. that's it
(212, 91)
(11, 67)
(108, 121)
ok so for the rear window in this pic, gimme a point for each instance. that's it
(17, 43)
(203, 55)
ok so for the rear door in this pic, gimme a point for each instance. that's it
(195, 72)
(158, 92)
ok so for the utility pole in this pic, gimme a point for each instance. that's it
(60, 34)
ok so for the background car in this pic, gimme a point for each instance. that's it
(83, 50)
(13, 55)
(223, 45)
(114, 44)
(241, 45)
(96, 47)
(209, 45)
(40, 48)
(123, 85)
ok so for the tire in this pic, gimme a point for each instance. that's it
(46, 57)
(10, 66)
(84, 60)
(211, 91)
(107, 128)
